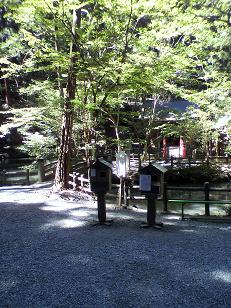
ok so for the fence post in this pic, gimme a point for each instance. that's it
(81, 180)
(27, 177)
(127, 192)
(189, 162)
(165, 197)
(139, 160)
(121, 192)
(207, 161)
(4, 177)
(206, 189)
(172, 163)
(74, 181)
(41, 170)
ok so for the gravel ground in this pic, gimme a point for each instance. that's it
(52, 256)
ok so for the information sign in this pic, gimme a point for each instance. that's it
(145, 182)
(122, 164)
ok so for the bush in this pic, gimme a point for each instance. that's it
(37, 145)
(198, 174)
(227, 209)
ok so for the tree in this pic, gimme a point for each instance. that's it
(112, 51)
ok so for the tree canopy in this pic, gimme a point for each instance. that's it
(82, 61)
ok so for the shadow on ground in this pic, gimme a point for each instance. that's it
(52, 256)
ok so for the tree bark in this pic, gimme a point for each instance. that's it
(64, 165)
(7, 96)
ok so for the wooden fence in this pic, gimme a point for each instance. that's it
(206, 190)
(26, 171)
(189, 161)
(12, 172)
(79, 182)
(17, 173)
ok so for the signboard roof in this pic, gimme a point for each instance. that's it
(106, 163)
(160, 167)
(153, 168)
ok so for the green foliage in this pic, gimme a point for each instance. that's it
(40, 146)
(39, 129)
(227, 209)
(196, 175)
(124, 49)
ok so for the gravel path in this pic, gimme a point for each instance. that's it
(52, 256)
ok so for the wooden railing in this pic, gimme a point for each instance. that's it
(79, 182)
(46, 170)
(206, 189)
(189, 161)
(11, 171)
(26, 171)
(15, 177)
(15, 171)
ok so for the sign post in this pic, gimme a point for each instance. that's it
(122, 166)
(100, 178)
(150, 178)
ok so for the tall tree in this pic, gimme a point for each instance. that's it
(63, 165)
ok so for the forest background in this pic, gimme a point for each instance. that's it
(70, 68)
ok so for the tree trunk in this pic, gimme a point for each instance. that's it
(63, 165)
(7, 96)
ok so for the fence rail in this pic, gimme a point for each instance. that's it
(79, 182)
(206, 189)
(45, 170)
(190, 161)
(21, 172)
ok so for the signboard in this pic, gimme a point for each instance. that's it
(145, 182)
(93, 172)
(122, 163)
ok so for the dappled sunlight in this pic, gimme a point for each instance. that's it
(59, 207)
(80, 259)
(225, 228)
(25, 199)
(123, 216)
(66, 223)
(222, 275)
(7, 284)
(32, 200)
(82, 212)
(22, 196)
(189, 230)
(172, 217)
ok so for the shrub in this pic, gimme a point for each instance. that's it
(227, 209)
(198, 174)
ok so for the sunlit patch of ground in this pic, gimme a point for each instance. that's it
(222, 275)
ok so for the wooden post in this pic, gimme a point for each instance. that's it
(172, 163)
(27, 177)
(74, 178)
(4, 177)
(121, 192)
(165, 197)
(101, 208)
(41, 170)
(151, 210)
(151, 213)
(206, 189)
(81, 180)
(139, 160)
(189, 161)
(127, 192)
